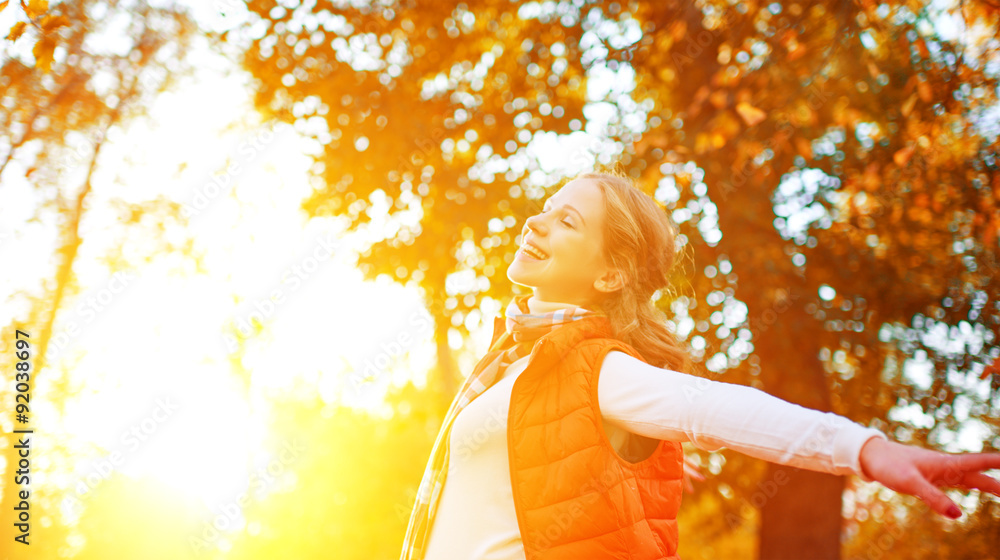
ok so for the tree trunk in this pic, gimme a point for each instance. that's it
(801, 518)
(447, 368)
(43, 334)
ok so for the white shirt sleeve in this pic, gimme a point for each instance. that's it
(670, 405)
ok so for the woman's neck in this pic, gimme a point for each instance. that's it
(537, 306)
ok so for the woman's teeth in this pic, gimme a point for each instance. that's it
(532, 252)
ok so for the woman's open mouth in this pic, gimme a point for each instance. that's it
(531, 253)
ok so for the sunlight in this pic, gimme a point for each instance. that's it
(164, 401)
(197, 442)
(221, 379)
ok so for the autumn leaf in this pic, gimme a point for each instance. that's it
(43, 53)
(870, 179)
(990, 235)
(678, 30)
(702, 143)
(718, 99)
(35, 8)
(16, 31)
(788, 37)
(751, 115)
(992, 368)
(908, 105)
(52, 22)
(924, 90)
(797, 52)
(902, 156)
(803, 147)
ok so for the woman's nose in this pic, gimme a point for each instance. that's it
(534, 223)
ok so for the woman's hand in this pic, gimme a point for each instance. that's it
(918, 471)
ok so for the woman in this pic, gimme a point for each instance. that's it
(565, 441)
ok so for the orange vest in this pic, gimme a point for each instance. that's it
(574, 495)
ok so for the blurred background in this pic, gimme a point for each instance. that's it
(258, 245)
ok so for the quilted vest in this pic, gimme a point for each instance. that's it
(574, 495)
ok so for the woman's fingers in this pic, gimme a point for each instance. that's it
(691, 472)
(957, 470)
(691, 469)
(979, 461)
(933, 497)
(921, 472)
(961, 470)
(688, 487)
(982, 482)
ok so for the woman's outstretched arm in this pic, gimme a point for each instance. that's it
(670, 405)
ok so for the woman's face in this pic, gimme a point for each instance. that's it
(569, 232)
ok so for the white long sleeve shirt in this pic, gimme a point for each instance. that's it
(476, 519)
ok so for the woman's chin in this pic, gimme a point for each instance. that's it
(517, 277)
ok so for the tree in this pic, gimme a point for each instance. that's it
(426, 111)
(860, 132)
(57, 108)
(830, 163)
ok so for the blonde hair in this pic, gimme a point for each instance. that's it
(639, 241)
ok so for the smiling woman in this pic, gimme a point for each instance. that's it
(565, 440)
(564, 246)
(610, 247)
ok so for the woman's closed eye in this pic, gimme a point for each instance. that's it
(564, 221)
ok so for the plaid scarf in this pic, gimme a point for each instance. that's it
(525, 328)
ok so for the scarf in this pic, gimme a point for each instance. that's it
(525, 328)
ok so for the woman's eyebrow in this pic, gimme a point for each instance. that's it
(584, 222)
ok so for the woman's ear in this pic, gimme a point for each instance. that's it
(612, 280)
